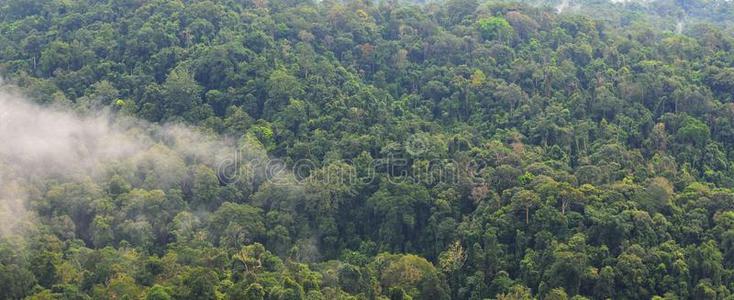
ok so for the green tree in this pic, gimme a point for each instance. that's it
(495, 28)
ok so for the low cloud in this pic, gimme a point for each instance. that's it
(42, 144)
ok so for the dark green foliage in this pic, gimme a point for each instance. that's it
(496, 150)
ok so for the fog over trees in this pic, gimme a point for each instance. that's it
(281, 149)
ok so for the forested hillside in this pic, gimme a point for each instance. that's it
(460, 149)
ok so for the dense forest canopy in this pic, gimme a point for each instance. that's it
(549, 149)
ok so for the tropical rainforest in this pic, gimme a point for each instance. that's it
(458, 149)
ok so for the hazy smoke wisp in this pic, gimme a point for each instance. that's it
(40, 144)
